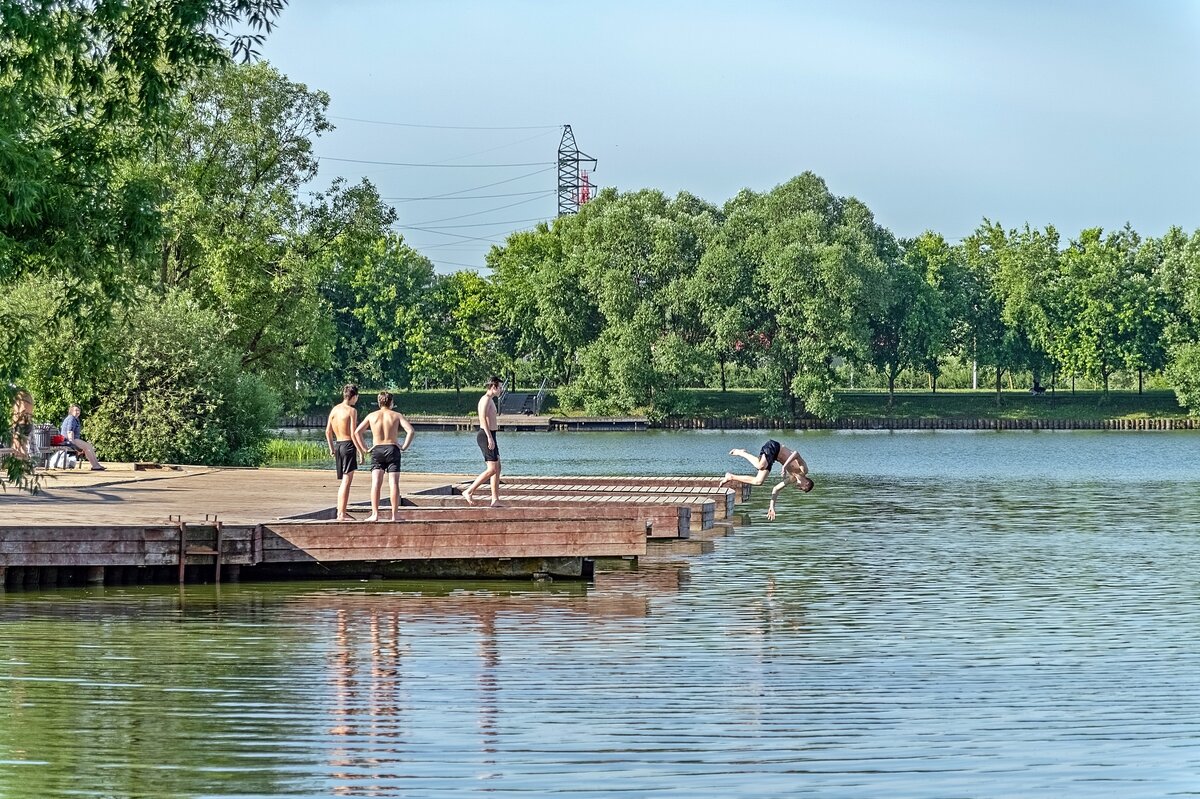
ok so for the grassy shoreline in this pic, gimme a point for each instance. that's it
(859, 404)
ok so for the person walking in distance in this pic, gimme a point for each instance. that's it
(385, 427)
(340, 436)
(488, 445)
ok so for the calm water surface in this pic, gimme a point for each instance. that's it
(946, 615)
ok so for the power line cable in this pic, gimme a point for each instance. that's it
(493, 149)
(445, 127)
(441, 166)
(458, 235)
(470, 196)
(490, 185)
(476, 224)
(486, 211)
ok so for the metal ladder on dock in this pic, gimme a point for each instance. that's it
(188, 548)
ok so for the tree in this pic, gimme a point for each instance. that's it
(238, 234)
(908, 329)
(84, 87)
(816, 260)
(377, 297)
(454, 338)
(992, 340)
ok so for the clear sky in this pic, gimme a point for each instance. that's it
(935, 113)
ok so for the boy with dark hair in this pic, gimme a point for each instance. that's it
(385, 427)
(795, 470)
(486, 439)
(340, 436)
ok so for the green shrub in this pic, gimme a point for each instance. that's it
(1184, 374)
(177, 394)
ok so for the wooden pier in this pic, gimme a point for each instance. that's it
(196, 524)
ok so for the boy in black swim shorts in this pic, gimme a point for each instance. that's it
(341, 438)
(488, 445)
(385, 426)
(794, 469)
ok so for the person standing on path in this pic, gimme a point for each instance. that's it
(343, 446)
(794, 469)
(486, 439)
(72, 431)
(385, 427)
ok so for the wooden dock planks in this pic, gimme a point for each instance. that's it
(116, 545)
(439, 533)
(664, 519)
(741, 491)
(543, 520)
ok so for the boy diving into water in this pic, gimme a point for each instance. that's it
(795, 470)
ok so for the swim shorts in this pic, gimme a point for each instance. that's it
(492, 454)
(386, 458)
(345, 458)
(770, 451)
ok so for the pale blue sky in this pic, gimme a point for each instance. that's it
(934, 113)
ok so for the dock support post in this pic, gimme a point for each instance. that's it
(95, 575)
(3, 576)
(233, 572)
(50, 576)
(33, 577)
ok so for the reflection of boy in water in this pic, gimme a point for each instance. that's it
(795, 470)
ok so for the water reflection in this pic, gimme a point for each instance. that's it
(889, 635)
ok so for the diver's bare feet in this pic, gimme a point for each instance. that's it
(467, 496)
(495, 504)
(374, 517)
(346, 518)
(726, 481)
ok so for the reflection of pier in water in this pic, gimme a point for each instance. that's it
(375, 676)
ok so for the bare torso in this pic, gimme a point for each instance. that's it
(487, 413)
(797, 466)
(385, 426)
(343, 419)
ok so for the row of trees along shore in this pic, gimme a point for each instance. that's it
(165, 264)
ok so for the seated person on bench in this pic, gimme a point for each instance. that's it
(71, 429)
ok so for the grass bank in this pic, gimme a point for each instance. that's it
(914, 404)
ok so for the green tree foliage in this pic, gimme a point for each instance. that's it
(377, 296)
(178, 393)
(909, 328)
(240, 237)
(85, 86)
(942, 329)
(543, 302)
(636, 255)
(1111, 306)
(817, 262)
(454, 338)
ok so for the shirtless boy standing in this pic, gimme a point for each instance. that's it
(340, 436)
(486, 439)
(385, 427)
(794, 469)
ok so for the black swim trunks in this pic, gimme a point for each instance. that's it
(492, 454)
(386, 458)
(770, 451)
(345, 458)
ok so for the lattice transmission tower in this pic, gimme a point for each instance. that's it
(574, 183)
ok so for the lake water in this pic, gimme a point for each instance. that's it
(948, 614)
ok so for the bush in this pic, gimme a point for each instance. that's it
(176, 393)
(1184, 374)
